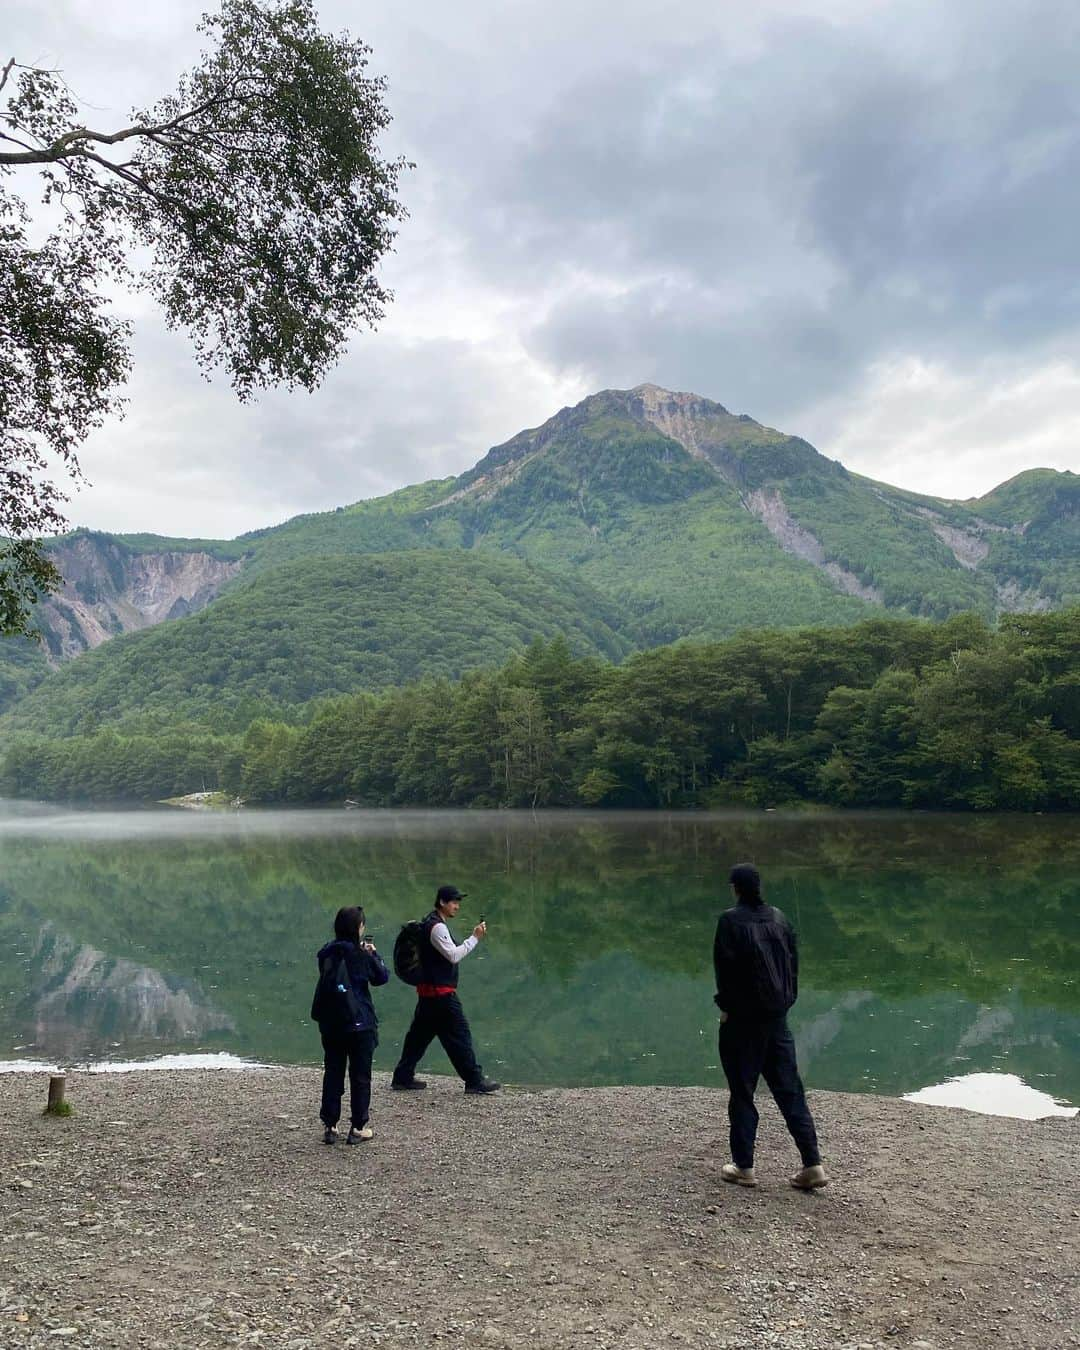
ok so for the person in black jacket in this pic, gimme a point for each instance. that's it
(347, 1024)
(757, 980)
(438, 1008)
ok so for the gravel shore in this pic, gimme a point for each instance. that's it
(202, 1209)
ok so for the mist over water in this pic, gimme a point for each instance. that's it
(933, 947)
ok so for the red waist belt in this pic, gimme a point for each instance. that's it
(435, 990)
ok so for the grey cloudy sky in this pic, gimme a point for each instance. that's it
(855, 220)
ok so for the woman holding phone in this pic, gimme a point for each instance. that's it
(347, 1022)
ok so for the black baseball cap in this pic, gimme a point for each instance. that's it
(447, 893)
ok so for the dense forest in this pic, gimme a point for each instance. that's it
(313, 628)
(886, 713)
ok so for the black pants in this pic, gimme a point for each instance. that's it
(354, 1048)
(441, 1016)
(752, 1049)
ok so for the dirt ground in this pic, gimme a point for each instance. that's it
(202, 1209)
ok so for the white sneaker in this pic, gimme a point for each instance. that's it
(355, 1135)
(810, 1178)
(741, 1176)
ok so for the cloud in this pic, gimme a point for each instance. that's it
(787, 219)
(991, 417)
(190, 460)
(851, 219)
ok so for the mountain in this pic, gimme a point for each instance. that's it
(667, 515)
(315, 627)
(700, 522)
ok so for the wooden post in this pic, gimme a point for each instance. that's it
(57, 1083)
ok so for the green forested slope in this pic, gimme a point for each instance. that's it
(633, 513)
(689, 521)
(1030, 528)
(1027, 497)
(1040, 546)
(662, 515)
(22, 668)
(380, 525)
(886, 544)
(614, 503)
(314, 627)
(889, 712)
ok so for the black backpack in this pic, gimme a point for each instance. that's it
(334, 1004)
(408, 951)
(769, 975)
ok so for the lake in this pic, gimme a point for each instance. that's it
(932, 946)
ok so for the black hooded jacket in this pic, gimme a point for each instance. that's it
(756, 961)
(364, 968)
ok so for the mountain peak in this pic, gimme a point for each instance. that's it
(652, 403)
(740, 450)
(678, 416)
(655, 394)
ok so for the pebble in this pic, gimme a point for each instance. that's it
(587, 1203)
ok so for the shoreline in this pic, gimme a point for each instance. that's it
(201, 1209)
(953, 1094)
(220, 802)
(984, 1093)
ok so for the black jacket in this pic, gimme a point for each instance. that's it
(364, 968)
(756, 961)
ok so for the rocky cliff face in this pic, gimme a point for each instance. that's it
(110, 589)
(768, 505)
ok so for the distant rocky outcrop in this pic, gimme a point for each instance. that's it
(111, 588)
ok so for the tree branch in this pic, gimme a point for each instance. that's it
(165, 198)
(15, 140)
(70, 141)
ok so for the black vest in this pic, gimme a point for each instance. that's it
(437, 969)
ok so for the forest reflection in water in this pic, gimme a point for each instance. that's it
(932, 946)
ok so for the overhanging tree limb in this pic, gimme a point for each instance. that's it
(259, 191)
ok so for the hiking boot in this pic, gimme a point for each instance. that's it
(741, 1176)
(413, 1085)
(810, 1178)
(484, 1086)
(330, 1134)
(359, 1134)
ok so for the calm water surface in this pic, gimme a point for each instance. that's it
(931, 946)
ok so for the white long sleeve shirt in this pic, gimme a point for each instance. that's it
(445, 945)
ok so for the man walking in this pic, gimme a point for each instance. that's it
(757, 981)
(438, 1009)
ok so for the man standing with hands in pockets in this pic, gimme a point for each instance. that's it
(438, 1009)
(757, 980)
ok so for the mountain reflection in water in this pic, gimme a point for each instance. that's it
(992, 1094)
(932, 946)
(83, 998)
